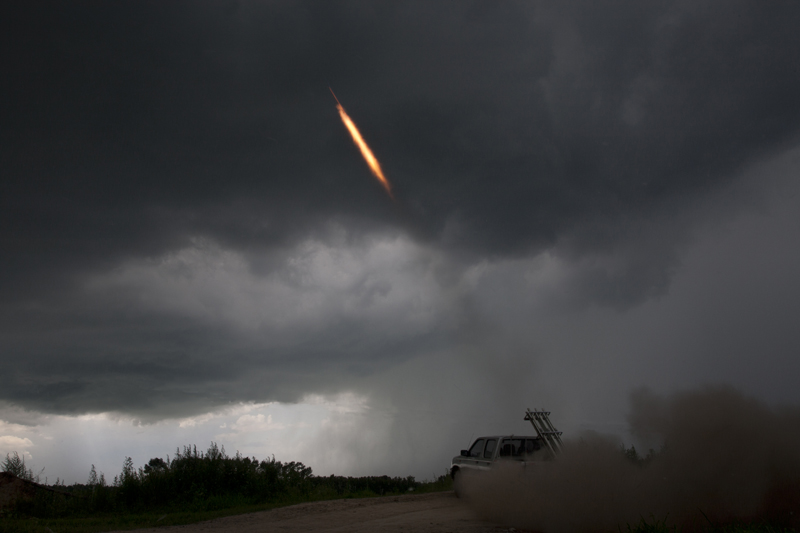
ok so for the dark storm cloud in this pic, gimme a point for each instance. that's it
(200, 328)
(130, 129)
(129, 126)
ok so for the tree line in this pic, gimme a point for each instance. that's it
(199, 481)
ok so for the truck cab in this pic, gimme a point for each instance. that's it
(486, 451)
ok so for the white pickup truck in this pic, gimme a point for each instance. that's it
(486, 451)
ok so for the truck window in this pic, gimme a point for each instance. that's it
(490, 444)
(477, 448)
(531, 445)
(511, 447)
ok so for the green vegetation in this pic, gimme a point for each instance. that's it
(191, 487)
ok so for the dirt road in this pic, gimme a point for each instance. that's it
(439, 512)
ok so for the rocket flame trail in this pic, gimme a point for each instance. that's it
(362, 145)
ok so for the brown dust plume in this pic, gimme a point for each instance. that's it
(723, 457)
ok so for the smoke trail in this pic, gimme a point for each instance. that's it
(725, 456)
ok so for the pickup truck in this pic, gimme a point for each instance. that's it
(486, 451)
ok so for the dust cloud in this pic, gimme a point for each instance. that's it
(721, 457)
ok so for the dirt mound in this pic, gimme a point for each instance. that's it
(13, 488)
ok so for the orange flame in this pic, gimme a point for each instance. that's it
(369, 157)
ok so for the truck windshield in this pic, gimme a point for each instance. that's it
(477, 448)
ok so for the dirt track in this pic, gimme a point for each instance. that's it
(439, 512)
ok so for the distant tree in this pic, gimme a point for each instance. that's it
(14, 464)
(127, 475)
(157, 464)
(92, 477)
(128, 472)
(632, 455)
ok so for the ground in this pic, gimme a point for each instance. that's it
(439, 512)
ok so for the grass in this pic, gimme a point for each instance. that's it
(111, 522)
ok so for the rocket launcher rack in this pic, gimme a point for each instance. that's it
(540, 420)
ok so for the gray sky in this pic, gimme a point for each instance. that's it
(589, 198)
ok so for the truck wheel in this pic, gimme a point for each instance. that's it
(458, 482)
